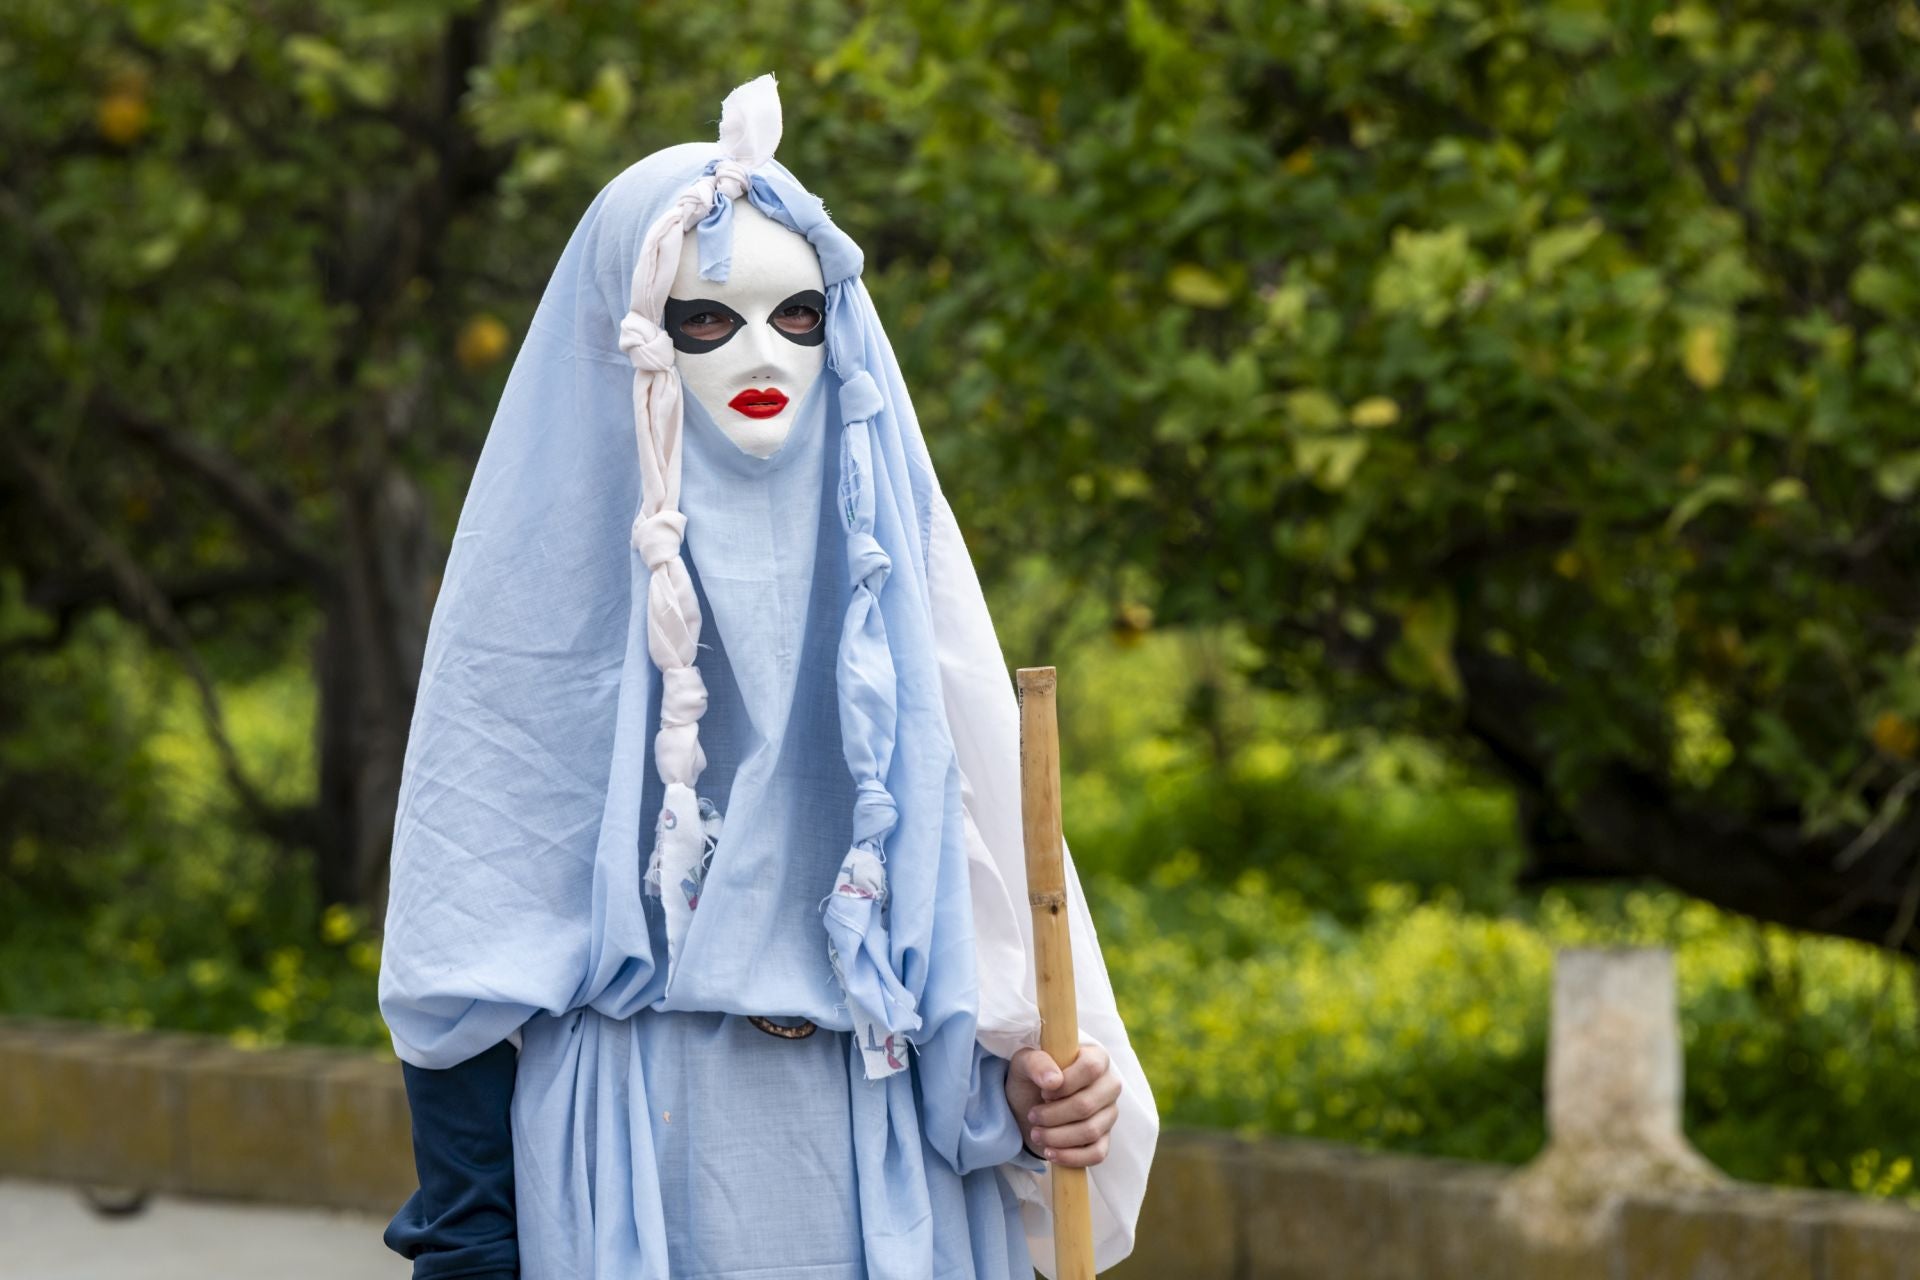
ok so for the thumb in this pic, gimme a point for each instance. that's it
(1040, 1068)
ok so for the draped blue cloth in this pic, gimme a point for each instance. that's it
(528, 794)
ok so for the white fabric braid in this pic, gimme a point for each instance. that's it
(749, 131)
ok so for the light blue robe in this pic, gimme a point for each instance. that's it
(656, 1131)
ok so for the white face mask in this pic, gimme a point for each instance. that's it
(749, 348)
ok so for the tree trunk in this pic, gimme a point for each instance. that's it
(367, 668)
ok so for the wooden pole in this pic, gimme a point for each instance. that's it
(1052, 950)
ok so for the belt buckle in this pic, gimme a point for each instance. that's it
(801, 1032)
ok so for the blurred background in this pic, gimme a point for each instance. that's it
(1462, 458)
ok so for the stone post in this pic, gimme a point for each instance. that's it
(1613, 1098)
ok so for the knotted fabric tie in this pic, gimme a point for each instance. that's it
(874, 814)
(647, 345)
(687, 827)
(884, 1009)
(658, 537)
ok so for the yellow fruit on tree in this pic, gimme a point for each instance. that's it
(122, 116)
(1896, 735)
(483, 340)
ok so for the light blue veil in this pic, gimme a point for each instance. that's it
(532, 800)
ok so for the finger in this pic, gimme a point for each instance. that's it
(1089, 1066)
(1038, 1067)
(1078, 1157)
(1080, 1133)
(1103, 1092)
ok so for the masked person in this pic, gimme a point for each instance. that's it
(706, 950)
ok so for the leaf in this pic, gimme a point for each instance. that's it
(1198, 287)
(1884, 289)
(1287, 308)
(1898, 478)
(1577, 26)
(1425, 272)
(1709, 491)
(1330, 460)
(1423, 655)
(1786, 490)
(313, 53)
(1703, 355)
(1374, 412)
(1311, 409)
(1557, 246)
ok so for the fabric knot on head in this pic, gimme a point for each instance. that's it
(646, 343)
(841, 259)
(658, 537)
(730, 176)
(860, 398)
(693, 202)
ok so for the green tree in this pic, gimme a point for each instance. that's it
(1543, 377)
(270, 261)
(1539, 377)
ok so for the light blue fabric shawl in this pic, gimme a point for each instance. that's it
(527, 806)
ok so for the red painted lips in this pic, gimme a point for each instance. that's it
(759, 404)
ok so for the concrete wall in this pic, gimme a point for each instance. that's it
(1222, 1208)
(191, 1115)
(188, 1114)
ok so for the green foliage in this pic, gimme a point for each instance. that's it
(1424, 1028)
(1574, 339)
(149, 902)
(1176, 760)
(73, 768)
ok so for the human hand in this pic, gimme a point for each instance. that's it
(1064, 1116)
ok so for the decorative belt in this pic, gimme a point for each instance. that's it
(800, 1032)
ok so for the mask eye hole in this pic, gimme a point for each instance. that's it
(802, 318)
(699, 325)
(797, 317)
(708, 326)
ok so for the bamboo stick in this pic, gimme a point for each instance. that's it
(1052, 949)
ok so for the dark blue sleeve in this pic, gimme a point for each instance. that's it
(460, 1223)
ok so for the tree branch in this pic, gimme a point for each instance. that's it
(250, 502)
(70, 594)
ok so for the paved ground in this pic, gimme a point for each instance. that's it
(48, 1232)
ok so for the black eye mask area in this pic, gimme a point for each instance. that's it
(789, 317)
(679, 311)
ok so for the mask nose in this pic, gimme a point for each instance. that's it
(764, 364)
